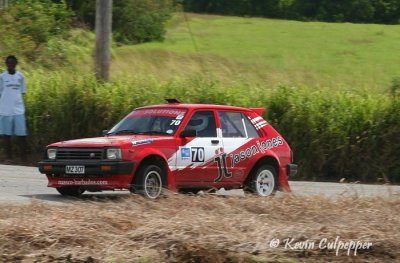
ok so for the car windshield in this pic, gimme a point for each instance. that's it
(158, 121)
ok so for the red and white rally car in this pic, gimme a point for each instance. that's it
(175, 146)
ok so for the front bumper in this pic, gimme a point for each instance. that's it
(291, 169)
(92, 168)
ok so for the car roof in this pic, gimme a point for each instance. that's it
(196, 106)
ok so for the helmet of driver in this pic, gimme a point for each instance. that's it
(198, 122)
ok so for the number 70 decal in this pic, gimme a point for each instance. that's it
(175, 122)
(198, 154)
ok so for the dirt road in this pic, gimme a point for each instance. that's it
(22, 184)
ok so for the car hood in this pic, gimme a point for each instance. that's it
(109, 141)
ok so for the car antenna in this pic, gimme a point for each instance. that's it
(172, 100)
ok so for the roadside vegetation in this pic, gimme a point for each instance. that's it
(333, 134)
(35, 31)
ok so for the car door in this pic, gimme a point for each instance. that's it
(195, 164)
(239, 143)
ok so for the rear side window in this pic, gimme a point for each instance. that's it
(251, 131)
(236, 125)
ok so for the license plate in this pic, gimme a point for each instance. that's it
(75, 169)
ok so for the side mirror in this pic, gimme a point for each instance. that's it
(104, 132)
(188, 133)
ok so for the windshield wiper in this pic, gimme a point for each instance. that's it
(153, 132)
(123, 132)
(137, 132)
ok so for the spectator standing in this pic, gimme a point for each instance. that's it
(12, 108)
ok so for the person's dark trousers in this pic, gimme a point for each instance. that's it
(23, 147)
(7, 146)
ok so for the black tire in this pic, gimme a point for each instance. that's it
(75, 191)
(190, 190)
(149, 181)
(264, 181)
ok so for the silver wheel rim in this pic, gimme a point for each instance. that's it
(265, 183)
(152, 184)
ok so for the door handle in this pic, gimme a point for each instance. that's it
(214, 141)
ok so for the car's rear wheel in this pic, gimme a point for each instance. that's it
(264, 181)
(149, 181)
(71, 190)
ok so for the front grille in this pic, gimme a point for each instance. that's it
(79, 154)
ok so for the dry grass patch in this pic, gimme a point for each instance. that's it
(197, 229)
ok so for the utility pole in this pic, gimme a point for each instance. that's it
(3, 4)
(103, 38)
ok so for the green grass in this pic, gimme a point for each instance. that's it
(255, 51)
(270, 52)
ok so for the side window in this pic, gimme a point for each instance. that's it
(251, 131)
(203, 122)
(235, 125)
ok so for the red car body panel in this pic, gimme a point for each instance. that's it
(238, 156)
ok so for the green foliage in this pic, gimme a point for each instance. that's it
(28, 25)
(338, 135)
(138, 21)
(85, 11)
(395, 87)
(359, 11)
(333, 135)
(134, 21)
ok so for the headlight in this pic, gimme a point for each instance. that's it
(51, 153)
(113, 153)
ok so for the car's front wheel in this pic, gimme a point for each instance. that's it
(264, 181)
(150, 181)
(75, 191)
